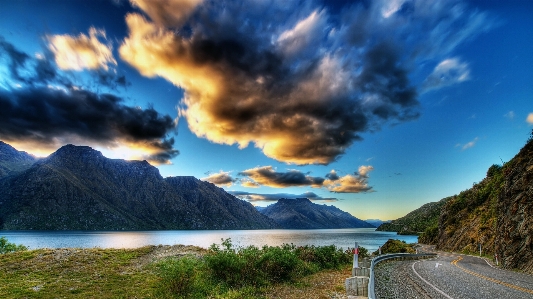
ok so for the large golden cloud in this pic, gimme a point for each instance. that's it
(300, 84)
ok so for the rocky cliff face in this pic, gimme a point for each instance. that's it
(76, 188)
(301, 213)
(514, 230)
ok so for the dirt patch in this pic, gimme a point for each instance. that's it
(164, 251)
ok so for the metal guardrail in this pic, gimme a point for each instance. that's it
(381, 258)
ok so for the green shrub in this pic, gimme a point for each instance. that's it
(227, 272)
(181, 276)
(6, 246)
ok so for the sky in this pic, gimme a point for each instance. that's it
(376, 107)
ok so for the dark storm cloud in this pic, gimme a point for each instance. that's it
(17, 59)
(268, 176)
(47, 110)
(299, 80)
(45, 115)
(259, 197)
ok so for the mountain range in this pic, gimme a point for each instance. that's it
(301, 213)
(77, 188)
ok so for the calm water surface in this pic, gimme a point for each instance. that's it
(344, 238)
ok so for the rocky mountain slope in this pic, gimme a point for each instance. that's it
(77, 188)
(301, 213)
(416, 221)
(13, 161)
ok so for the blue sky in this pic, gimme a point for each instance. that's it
(376, 107)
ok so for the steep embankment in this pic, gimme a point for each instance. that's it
(427, 216)
(77, 188)
(514, 229)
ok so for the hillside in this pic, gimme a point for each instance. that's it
(301, 213)
(496, 213)
(416, 221)
(13, 161)
(77, 188)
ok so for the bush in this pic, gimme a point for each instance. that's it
(6, 246)
(239, 272)
(179, 276)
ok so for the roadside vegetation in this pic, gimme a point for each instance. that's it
(396, 246)
(221, 271)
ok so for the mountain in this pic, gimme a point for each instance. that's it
(376, 222)
(301, 213)
(77, 188)
(416, 221)
(13, 161)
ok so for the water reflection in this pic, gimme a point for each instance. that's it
(343, 238)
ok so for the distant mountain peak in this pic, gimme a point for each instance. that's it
(294, 200)
(301, 213)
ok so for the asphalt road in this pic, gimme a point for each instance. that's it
(451, 276)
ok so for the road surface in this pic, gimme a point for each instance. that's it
(450, 276)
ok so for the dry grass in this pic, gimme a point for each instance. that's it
(323, 285)
(126, 273)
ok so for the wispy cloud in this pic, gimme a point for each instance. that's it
(82, 51)
(510, 115)
(300, 83)
(468, 144)
(448, 72)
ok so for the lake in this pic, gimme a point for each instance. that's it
(344, 238)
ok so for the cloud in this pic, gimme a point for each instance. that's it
(220, 179)
(53, 117)
(356, 183)
(509, 115)
(299, 82)
(260, 197)
(468, 145)
(82, 51)
(448, 72)
(332, 175)
(167, 12)
(529, 118)
(46, 111)
(268, 176)
(17, 59)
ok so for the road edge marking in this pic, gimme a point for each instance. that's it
(503, 283)
(434, 287)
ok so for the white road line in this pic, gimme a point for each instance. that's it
(436, 289)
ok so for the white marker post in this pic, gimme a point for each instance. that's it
(479, 249)
(356, 256)
(379, 250)
(496, 256)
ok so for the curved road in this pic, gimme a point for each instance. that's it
(450, 276)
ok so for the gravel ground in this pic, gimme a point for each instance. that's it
(469, 277)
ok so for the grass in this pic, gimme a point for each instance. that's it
(176, 272)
